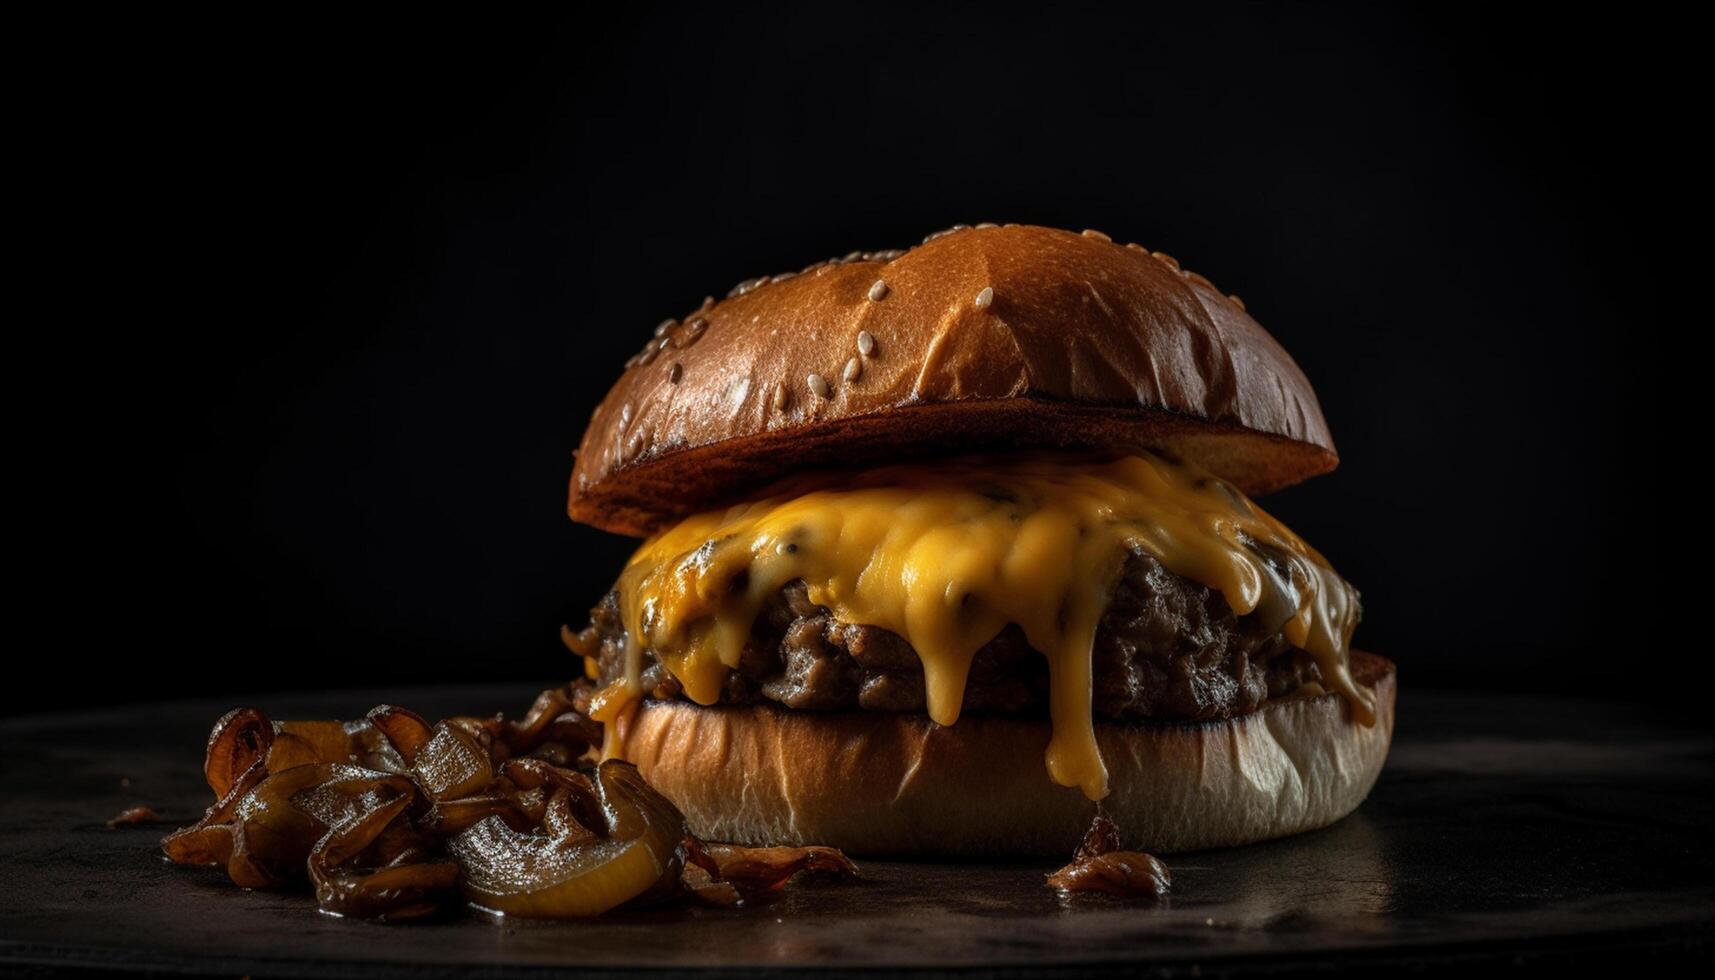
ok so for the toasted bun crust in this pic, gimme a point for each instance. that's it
(1082, 344)
(876, 784)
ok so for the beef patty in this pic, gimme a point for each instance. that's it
(1167, 649)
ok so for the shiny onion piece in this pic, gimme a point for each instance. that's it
(703, 888)
(283, 821)
(405, 729)
(361, 809)
(389, 817)
(553, 728)
(375, 866)
(725, 875)
(395, 894)
(755, 869)
(452, 765)
(1100, 865)
(240, 739)
(135, 816)
(1131, 874)
(629, 850)
(446, 817)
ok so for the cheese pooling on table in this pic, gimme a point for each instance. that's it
(948, 554)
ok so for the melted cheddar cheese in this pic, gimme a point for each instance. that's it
(947, 555)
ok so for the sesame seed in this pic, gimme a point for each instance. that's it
(737, 389)
(782, 277)
(985, 297)
(866, 343)
(854, 367)
(625, 416)
(780, 396)
(987, 224)
(746, 286)
(1093, 233)
(1166, 260)
(1135, 247)
(853, 255)
(1236, 301)
(677, 372)
(664, 326)
(692, 331)
(818, 386)
(878, 290)
(958, 228)
(648, 356)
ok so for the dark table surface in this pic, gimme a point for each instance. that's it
(1504, 831)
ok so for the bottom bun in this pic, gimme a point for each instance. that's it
(883, 784)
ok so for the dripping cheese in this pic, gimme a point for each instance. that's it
(947, 555)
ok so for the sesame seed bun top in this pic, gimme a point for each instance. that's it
(981, 339)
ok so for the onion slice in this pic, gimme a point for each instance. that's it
(569, 870)
(767, 868)
(1099, 865)
(387, 817)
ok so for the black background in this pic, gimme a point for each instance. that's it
(342, 294)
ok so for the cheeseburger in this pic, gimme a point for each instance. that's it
(944, 545)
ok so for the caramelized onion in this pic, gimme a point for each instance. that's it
(1099, 865)
(701, 886)
(405, 729)
(554, 726)
(340, 805)
(725, 875)
(396, 882)
(453, 764)
(358, 743)
(277, 825)
(770, 868)
(452, 816)
(1132, 874)
(549, 706)
(240, 739)
(534, 773)
(569, 869)
(387, 817)
(133, 816)
(398, 893)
